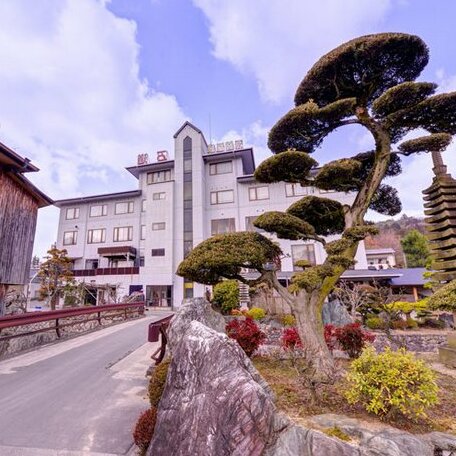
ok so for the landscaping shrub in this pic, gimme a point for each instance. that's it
(236, 313)
(256, 313)
(375, 322)
(399, 324)
(352, 339)
(411, 323)
(157, 382)
(391, 382)
(288, 320)
(144, 429)
(330, 337)
(291, 339)
(226, 295)
(247, 334)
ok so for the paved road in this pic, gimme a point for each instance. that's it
(77, 397)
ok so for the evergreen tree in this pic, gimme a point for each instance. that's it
(416, 249)
(368, 81)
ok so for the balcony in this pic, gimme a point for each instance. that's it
(128, 270)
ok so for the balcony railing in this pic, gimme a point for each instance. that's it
(127, 270)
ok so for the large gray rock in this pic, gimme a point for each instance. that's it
(334, 313)
(293, 440)
(193, 309)
(212, 403)
(381, 441)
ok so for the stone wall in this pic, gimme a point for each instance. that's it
(428, 341)
(79, 325)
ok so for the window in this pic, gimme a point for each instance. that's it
(98, 210)
(297, 190)
(159, 176)
(125, 208)
(72, 213)
(124, 233)
(249, 224)
(221, 168)
(158, 226)
(96, 236)
(141, 261)
(221, 226)
(187, 165)
(113, 263)
(327, 191)
(158, 252)
(143, 232)
(303, 252)
(222, 197)
(91, 264)
(159, 196)
(70, 237)
(143, 205)
(258, 193)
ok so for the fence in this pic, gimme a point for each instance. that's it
(58, 321)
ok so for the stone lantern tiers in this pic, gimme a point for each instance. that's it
(440, 211)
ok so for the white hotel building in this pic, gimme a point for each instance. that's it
(128, 241)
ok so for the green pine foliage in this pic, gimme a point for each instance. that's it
(416, 249)
(226, 295)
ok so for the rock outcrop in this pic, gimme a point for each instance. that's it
(212, 404)
(334, 313)
(193, 309)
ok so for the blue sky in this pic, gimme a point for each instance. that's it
(86, 85)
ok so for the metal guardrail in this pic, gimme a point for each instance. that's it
(11, 321)
(156, 329)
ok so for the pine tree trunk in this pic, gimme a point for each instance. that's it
(310, 328)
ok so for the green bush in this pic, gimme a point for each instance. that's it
(444, 298)
(226, 295)
(375, 322)
(256, 313)
(411, 323)
(391, 382)
(157, 382)
(288, 320)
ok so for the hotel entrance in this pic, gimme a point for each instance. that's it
(159, 295)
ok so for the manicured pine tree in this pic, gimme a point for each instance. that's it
(369, 81)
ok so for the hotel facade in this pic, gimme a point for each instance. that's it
(134, 241)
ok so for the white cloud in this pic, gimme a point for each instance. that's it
(276, 41)
(254, 135)
(73, 100)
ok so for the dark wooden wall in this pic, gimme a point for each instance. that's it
(18, 212)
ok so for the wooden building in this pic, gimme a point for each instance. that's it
(19, 204)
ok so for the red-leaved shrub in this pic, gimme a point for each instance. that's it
(291, 339)
(247, 334)
(144, 429)
(352, 339)
(330, 337)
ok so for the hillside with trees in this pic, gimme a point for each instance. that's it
(391, 232)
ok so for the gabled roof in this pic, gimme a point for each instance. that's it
(189, 124)
(15, 166)
(13, 161)
(185, 124)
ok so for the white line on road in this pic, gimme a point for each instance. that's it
(11, 365)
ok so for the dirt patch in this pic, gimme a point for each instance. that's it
(293, 398)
